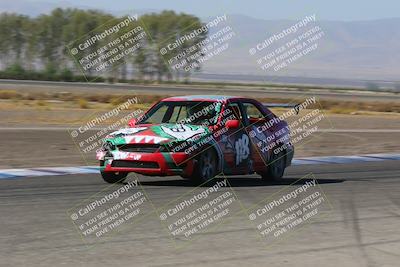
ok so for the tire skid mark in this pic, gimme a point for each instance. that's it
(287, 252)
(357, 231)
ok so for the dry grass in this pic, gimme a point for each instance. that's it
(99, 99)
(83, 103)
(41, 103)
(9, 94)
(68, 96)
(351, 107)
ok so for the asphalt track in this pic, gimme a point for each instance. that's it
(360, 229)
(80, 87)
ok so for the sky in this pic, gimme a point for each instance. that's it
(347, 10)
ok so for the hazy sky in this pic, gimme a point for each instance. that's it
(265, 9)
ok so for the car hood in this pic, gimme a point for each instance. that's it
(157, 134)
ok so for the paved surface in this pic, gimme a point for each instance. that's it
(50, 147)
(360, 229)
(18, 173)
(47, 86)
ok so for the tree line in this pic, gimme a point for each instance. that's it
(36, 47)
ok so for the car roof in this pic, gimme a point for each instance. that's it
(221, 98)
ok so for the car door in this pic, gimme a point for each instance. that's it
(261, 135)
(235, 142)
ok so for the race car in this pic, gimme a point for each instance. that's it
(199, 137)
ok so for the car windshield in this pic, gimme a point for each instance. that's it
(183, 112)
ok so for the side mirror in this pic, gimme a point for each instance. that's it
(132, 122)
(232, 124)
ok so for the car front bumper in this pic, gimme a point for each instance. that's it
(159, 163)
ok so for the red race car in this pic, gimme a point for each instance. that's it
(199, 137)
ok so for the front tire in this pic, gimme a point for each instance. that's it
(275, 169)
(114, 177)
(206, 166)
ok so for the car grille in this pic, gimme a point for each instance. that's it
(134, 164)
(144, 148)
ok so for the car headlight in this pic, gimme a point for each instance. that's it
(108, 146)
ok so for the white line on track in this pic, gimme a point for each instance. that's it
(52, 171)
(60, 128)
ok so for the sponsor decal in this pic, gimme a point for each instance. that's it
(242, 149)
(183, 132)
(117, 155)
(100, 155)
(144, 139)
(127, 131)
(120, 155)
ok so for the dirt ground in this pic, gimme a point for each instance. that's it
(74, 116)
(35, 135)
(54, 146)
(39, 148)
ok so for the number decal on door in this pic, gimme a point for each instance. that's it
(242, 149)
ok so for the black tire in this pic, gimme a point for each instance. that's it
(114, 177)
(206, 166)
(276, 168)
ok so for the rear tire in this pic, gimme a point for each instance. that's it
(114, 177)
(206, 167)
(276, 168)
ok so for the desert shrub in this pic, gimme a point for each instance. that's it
(83, 103)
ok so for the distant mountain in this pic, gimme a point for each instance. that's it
(357, 50)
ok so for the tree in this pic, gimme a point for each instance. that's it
(164, 29)
(14, 35)
(43, 43)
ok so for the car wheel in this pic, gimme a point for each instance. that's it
(276, 168)
(206, 166)
(114, 177)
